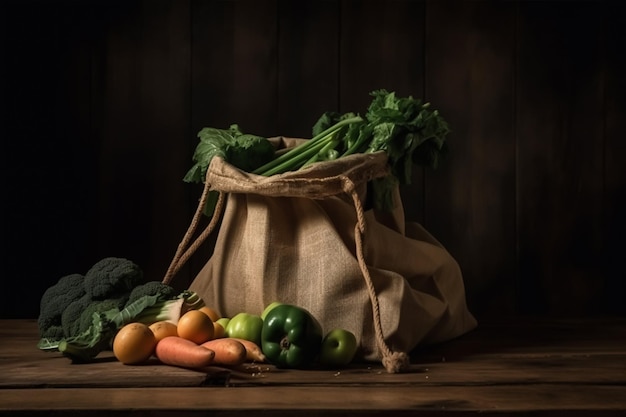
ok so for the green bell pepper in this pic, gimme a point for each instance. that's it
(291, 337)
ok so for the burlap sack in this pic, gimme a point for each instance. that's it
(304, 238)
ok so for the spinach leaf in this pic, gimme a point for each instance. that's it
(245, 151)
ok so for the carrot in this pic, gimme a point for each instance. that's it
(253, 351)
(227, 351)
(176, 351)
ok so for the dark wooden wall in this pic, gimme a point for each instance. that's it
(102, 100)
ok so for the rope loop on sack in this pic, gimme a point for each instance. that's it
(393, 362)
(186, 248)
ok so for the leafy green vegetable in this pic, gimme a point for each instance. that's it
(98, 337)
(401, 126)
(64, 303)
(312, 150)
(408, 130)
(245, 151)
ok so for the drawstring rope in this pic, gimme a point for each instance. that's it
(185, 251)
(393, 362)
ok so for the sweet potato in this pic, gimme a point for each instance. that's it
(176, 351)
(228, 351)
(253, 351)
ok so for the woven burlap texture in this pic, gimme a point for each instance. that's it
(306, 238)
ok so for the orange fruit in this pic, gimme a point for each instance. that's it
(162, 329)
(218, 330)
(134, 343)
(196, 326)
(212, 313)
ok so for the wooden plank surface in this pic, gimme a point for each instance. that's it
(22, 365)
(555, 368)
(536, 400)
(56, 372)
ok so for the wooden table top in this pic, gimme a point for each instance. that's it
(530, 366)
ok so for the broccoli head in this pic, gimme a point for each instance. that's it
(54, 301)
(78, 316)
(164, 291)
(111, 276)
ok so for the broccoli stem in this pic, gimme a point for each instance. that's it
(293, 159)
(169, 310)
(87, 345)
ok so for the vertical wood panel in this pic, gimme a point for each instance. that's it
(470, 199)
(121, 160)
(101, 102)
(615, 157)
(143, 98)
(47, 152)
(307, 64)
(234, 75)
(165, 101)
(382, 47)
(560, 122)
(234, 55)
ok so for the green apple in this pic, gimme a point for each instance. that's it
(339, 347)
(268, 308)
(245, 326)
(224, 323)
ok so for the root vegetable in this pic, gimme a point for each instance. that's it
(178, 351)
(228, 351)
(253, 351)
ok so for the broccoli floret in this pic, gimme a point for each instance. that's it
(72, 313)
(86, 318)
(164, 291)
(112, 276)
(99, 337)
(111, 280)
(54, 301)
(78, 316)
(166, 304)
(62, 304)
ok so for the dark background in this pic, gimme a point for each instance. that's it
(102, 100)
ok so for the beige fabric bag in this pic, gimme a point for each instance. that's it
(304, 238)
